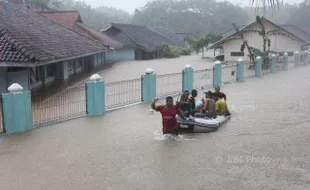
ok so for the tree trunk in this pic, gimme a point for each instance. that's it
(249, 50)
(203, 52)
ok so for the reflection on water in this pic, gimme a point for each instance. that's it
(125, 149)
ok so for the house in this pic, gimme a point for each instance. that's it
(141, 42)
(187, 35)
(290, 42)
(73, 21)
(37, 52)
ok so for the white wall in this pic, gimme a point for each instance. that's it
(278, 44)
(121, 54)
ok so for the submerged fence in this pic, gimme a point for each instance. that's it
(68, 104)
(72, 102)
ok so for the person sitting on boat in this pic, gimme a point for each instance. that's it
(186, 94)
(219, 93)
(168, 112)
(192, 101)
(184, 105)
(209, 106)
(221, 107)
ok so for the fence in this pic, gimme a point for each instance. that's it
(229, 74)
(122, 93)
(68, 104)
(1, 120)
(203, 79)
(169, 84)
(71, 103)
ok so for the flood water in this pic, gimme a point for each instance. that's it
(263, 146)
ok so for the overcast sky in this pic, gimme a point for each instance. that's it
(130, 5)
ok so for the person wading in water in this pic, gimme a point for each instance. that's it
(168, 112)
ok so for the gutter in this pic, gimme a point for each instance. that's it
(31, 64)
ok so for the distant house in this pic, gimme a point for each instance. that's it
(294, 40)
(141, 42)
(73, 21)
(187, 35)
(37, 52)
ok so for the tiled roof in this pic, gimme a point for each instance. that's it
(73, 21)
(168, 33)
(39, 39)
(187, 35)
(137, 36)
(297, 31)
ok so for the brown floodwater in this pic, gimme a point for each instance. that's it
(263, 146)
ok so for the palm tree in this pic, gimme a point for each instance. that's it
(271, 4)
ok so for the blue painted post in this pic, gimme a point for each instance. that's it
(296, 59)
(95, 96)
(217, 74)
(258, 67)
(306, 59)
(188, 78)
(273, 63)
(285, 61)
(148, 86)
(17, 111)
(240, 68)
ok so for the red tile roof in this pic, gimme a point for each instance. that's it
(73, 21)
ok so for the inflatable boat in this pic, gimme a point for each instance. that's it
(203, 123)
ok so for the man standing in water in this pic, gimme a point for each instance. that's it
(220, 94)
(168, 112)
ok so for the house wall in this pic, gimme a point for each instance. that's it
(278, 44)
(121, 54)
(3, 80)
(20, 77)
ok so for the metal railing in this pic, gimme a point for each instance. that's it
(203, 79)
(68, 104)
(1, 117)
(169, 84)
(248, 71)
(123, 93)
(229, 74)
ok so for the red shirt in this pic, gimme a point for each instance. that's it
(222, 95)
(169, 120)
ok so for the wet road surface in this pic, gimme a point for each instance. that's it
(263, 146)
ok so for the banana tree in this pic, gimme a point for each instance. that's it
(271, 4)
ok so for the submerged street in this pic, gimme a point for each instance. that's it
(264, 145)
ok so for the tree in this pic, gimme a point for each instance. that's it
(271, 4)
(301, 16)
(201, 43)
(198, 16)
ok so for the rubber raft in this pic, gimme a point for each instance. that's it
(203, 123)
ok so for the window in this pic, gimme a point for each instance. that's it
(70, 66)
(237, 54)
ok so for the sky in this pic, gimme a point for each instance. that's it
(131, 5)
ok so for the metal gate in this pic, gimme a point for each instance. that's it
(1, 116)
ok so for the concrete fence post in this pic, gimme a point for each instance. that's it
(306, 57)
(296, 59)
(217, 74)
(240, 68)
(188, 78)
(285, 61)
(95, 96)
(17, 111)
(273, 63)
(148, 86)
(258, 67)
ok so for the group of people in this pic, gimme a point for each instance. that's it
(213, 104)
(209, 107)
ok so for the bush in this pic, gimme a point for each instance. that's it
(174, 51)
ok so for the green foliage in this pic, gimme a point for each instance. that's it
(198, 16)
(99, 18)
(198, 44)
(173, 51)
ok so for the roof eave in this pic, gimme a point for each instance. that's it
(35, 64)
